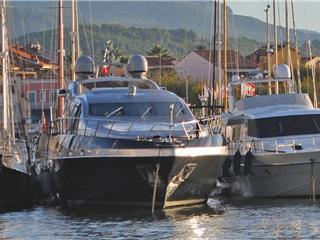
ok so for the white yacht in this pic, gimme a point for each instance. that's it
(274, 139)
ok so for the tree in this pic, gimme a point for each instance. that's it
(158, 50)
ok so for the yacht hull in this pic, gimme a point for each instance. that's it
(281, 175)
(18, 190)
(133, 180)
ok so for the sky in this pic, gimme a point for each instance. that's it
(307, 13)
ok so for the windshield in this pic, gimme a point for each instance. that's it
(143, 84)
(136, 109)
(284, 126)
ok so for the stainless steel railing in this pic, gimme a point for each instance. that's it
(276, 146)
(93, 127)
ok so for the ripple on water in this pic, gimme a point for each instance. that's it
(249, 218)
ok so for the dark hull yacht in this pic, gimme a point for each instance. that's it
(126, 142)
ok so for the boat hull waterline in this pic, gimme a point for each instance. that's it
(281, 175)
(129, 180)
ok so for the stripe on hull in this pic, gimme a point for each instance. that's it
(156, 152)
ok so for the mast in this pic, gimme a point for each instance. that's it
(5, 80)
(214, 54)
(225, 80)
(73, 40)
(219, 65)
(313, 72)
(275, 48)
(268, 48)
(287, 34)
(296, 48)
(61, 81)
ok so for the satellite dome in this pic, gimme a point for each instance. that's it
(235, 78)
(84, 67)
(282, 71)
(137, 66)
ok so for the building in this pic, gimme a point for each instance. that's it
(163, 64)
(35, 79)
(199, 64)
(260, 59)
(314, 62)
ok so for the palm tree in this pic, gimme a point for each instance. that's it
(158, 50)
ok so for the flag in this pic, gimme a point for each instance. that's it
(249, 89)
(105, 70)
(44, 123)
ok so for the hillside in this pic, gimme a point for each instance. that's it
(129, 40)
(34, 16)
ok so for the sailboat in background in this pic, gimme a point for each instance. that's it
(17, 187)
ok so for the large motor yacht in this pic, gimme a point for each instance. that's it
(274, 138)
(124, 141)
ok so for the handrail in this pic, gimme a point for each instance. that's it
(126, 129)
(276, 146)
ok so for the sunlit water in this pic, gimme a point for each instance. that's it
(242, 219)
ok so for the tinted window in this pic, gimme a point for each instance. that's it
(119, 84)
(284, 126)
(135, 109)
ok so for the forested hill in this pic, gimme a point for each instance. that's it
(33, 16)
(132, 40)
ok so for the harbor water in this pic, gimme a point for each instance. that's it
(235, 219)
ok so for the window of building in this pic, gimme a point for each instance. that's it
(42, 96)
(32, 97)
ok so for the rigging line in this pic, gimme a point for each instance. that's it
(281, 32)
(91, 26)
(236, 49)
(52, 56)
(85, 32)
(306, 44)
(210, 62)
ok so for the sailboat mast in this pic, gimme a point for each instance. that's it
(225, 80)
(61, 82)
(287, 34)
(296, 48)
(268, 48)
(4, 53)
(73, 40)
(219, 65)
(313, 72)
(214, 54)
(275, 48)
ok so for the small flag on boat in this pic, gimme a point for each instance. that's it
(44, 122)
(249, 89)
(105, 70)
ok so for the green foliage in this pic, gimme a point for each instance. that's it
(130, 40)
(158, 50)
(177, 84)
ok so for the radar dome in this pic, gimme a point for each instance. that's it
(84, 67)
(235, 78)
(137, 66)
(282, 71)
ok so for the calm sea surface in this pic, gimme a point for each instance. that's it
(241, 219)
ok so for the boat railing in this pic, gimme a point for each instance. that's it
(92, 127)
(276, 146)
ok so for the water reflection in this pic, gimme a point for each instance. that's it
(240, 219)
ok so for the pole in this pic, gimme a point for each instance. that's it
(268, 48)
(73, 40)
(287, 34)
(275, 42)
(225, 80)
(313, 72)
(214, 54)
(219, 64)
(61, 82)
(296, 48)
(4, 53)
